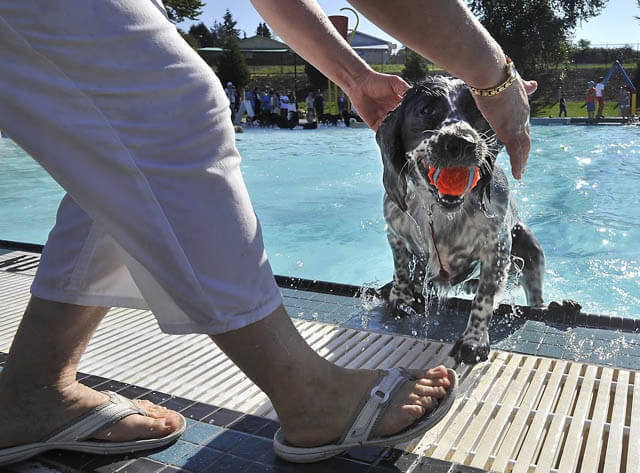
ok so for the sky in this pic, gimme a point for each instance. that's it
(615, 25)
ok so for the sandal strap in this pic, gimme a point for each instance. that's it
(376, 405)
(104, 415)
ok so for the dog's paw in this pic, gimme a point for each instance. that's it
(471, 350)
(402, 305)
(567, 306)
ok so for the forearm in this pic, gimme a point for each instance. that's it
(444, 31)
(305, 27)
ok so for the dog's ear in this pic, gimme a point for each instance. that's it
(393, 157)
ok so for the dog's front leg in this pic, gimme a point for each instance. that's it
(406, 296)
(473, 346)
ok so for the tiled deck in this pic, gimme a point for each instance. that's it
(553, 398)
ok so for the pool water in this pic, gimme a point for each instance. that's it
(318, 194)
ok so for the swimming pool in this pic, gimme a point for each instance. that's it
(318, 194)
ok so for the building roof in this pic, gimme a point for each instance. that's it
(260, 43)
(366, 41)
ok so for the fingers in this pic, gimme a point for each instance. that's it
(518, 150)
(530, 86)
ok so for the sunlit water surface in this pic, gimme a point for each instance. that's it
(318, 194)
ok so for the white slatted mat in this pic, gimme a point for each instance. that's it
(515, 413)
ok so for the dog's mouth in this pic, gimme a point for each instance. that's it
(446, 201)
(450, 185)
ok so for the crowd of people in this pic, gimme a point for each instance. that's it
(594, 101)
(270, 107)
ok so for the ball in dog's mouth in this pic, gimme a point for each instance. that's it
(450, 185)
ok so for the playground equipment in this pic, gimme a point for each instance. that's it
(341, 23)
(617, 66)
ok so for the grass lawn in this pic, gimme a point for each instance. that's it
(574, 109)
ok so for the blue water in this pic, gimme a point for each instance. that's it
(318, 194)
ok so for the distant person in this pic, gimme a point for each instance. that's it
(590, 99)
(318, 103)
(563, 103)
(266, 102)
(600, 97)
(292, 106)
(284, 105)
(311, 116)
(246, 107)
(275, 102)
(624, 102)
(230, 92)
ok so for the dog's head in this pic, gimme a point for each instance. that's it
(436, 127)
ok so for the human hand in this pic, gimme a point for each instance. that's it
(375, 95)
(508, 115)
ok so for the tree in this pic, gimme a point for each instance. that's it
(535, 33)
(203, 35)
(228, 28)
(263, 30)
(190, 39)
(180, 10)
(415, 67)
(232, 66)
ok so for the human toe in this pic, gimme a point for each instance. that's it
(157, 423)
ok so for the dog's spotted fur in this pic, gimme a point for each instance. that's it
(476, 237)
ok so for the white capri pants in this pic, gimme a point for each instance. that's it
(136, 128)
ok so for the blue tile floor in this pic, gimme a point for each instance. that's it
(219, 439)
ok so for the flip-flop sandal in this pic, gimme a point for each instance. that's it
(76, 435)
(374, 407)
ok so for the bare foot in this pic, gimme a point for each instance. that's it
(325, 419)
(31, 418)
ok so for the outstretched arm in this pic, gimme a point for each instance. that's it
(445, 32)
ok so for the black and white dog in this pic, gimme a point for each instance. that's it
(444, 240)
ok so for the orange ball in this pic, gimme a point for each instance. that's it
(454, 181)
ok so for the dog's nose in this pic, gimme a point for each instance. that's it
(454, 145)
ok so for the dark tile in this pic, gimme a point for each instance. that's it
(343, 465)
(260, 468)
(526, 347)
(433, 465)
(199, 411)
(109, 465)
(581, 319)
(398, 459)
(200, 433)
(73, 460)
(177, 404)
(222, 417)
(133, 392)
(252, 448)
(456, 468)
(199, 459)
(269, 429)
(229, 464)
(365, 454)
(110, 385)
(172, 454)
(93, 381)
(248, 424)
(551, 351)
(227, 440)
(143, 465)
(156, 397)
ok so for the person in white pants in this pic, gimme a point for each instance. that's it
(136, 128)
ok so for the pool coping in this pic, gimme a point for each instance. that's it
(561, 314)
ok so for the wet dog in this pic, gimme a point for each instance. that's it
(469, 238)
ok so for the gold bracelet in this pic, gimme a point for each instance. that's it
(512, 75)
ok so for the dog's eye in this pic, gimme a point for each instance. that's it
(425, 110)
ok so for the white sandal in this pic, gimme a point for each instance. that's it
(374, 406)
(77, 434)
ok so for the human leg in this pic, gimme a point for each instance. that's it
(314, 398)
(165, 190)
(38, 387)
